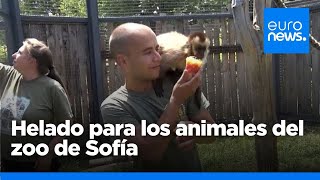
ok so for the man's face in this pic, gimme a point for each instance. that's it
(143, 57)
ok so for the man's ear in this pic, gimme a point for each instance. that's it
(121, 60)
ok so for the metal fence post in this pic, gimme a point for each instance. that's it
(95, 60)
(276, 80)
(276, 83)
(14, 32)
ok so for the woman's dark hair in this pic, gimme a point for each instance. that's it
(41, 52)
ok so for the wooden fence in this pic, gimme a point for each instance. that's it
(299, 79)
(225, 80)
(69, 46)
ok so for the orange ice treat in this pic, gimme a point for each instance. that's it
(193, 64)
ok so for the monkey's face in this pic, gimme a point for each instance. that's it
(199, 51)
(199, 45)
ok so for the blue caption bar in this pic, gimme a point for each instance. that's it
(157, 176)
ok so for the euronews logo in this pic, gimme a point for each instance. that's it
(286, 30)
(283, 35)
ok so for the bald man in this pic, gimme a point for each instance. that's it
(135, 49)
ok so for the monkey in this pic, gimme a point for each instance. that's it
(174, 48)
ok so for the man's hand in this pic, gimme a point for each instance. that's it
(195, 139)
(185, 143)
(185, 87)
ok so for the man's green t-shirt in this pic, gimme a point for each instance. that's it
(39, 99)
(125, 106)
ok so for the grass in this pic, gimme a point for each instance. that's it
(237, 154)
(300, 153)
(228, 154)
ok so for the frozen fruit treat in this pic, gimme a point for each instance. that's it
(193, 64)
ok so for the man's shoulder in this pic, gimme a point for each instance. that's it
(115, 98)
(115, 107)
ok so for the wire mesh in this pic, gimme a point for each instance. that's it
(71, 8)
(109, 8)
(3, 47)
(302, 3)
(116, 8)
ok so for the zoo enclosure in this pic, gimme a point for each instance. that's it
(79, 46)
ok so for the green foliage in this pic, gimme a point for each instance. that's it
(3, 53)
(73, 8)
(77, 8)
(3, 48)
(203, 6)
(120, 7)
(39, 7)
(53, 7)
(151, 7)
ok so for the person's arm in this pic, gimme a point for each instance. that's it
(5, 72)
(153, 148)
(2, 66)
(195, 115)
(203, 115)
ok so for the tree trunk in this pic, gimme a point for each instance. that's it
(259, 66)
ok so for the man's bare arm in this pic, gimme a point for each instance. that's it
(203, 115)
(153, 148)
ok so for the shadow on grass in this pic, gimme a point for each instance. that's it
(237, 154)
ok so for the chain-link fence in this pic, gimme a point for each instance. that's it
(72, 8)
(3, 47)
(117, 8)
(160, 7)
(112, 8)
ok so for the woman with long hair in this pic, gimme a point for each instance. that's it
(30, 91)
